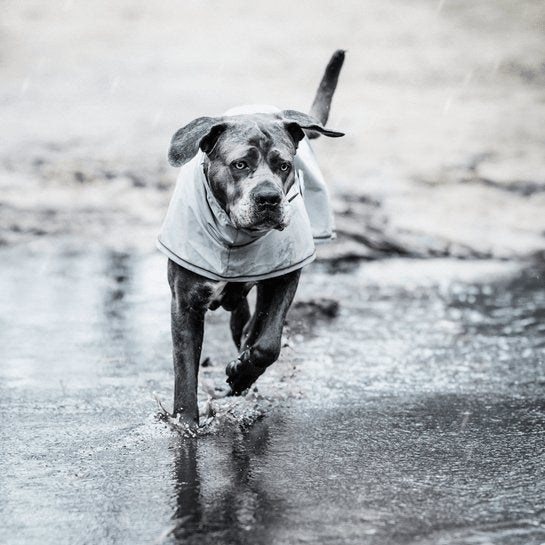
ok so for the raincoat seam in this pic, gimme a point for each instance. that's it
(294, 266)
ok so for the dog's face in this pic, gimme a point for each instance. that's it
(249, 162)
(250, 170)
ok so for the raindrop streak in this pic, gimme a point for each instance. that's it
(114, 85)
(465, 82)
(496, 65)
(25, 84)
(448, 103)
(157, 118)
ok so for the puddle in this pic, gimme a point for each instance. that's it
(414, 413)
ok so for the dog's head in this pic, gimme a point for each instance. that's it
(249, 162)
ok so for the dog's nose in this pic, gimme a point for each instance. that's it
(268, 197)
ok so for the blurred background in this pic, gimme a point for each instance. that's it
(407, 405)
(443, 104)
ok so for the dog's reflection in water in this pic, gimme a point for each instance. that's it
(220, 497)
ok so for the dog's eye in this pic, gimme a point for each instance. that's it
(284, 167)
(240, 165)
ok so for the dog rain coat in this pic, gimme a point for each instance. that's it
(198, 235)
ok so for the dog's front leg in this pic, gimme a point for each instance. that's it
(263, 340)
(190, 296)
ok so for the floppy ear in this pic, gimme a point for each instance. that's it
(202, 133)
(297, 121)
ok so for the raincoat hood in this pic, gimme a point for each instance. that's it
(198, 235)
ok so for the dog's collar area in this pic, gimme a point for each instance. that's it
(218, 210)
(199, 235)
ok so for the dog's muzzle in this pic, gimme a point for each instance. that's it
(269, 208)
(267, 199)
(262, 209)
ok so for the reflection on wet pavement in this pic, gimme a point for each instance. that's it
(416, 415)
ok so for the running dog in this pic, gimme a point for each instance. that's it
(248, 206)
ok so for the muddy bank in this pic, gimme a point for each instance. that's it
(122, 214)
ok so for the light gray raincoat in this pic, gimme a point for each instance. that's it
(198, 235)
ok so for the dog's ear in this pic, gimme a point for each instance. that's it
(296, 121)
(202, 133)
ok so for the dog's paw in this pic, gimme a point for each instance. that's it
(187, 423)
(240, 376)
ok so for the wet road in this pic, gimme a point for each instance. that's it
(417, 415)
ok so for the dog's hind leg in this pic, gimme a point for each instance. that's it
(262, 345)
(232, 297)
(239, 318)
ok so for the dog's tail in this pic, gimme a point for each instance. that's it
(322, 101)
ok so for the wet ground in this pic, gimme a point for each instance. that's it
(416, 415)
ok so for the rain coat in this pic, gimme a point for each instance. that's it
(198, 235)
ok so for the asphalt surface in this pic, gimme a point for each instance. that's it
(416, 415)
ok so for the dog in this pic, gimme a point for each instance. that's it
(238, 220)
